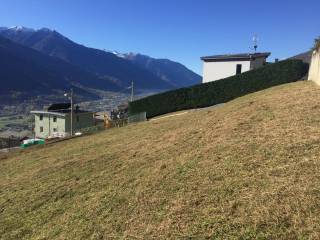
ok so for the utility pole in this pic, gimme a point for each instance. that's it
(71, 119)
(132, 91)
(70, 95)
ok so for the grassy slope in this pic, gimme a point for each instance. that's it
(249, 169)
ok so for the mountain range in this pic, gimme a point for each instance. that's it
(305, 56)
(44, 60)
(169, 71)
(23, 68)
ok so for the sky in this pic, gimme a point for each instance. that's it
(180, 30)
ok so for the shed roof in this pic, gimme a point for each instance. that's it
(235, 57)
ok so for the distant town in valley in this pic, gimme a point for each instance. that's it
(98, 88)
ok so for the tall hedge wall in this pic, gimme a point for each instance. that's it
(220, 91)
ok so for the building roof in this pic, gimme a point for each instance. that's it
(235, 57)
(59, 106)
(46, 112)
(61, 113)
(69, 110)
(60, 109)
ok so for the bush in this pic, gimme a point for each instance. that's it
(208, 94)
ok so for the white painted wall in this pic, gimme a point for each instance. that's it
(258, 62)
(213, 71)
(314, 70)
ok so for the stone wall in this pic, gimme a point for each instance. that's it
(314, 71)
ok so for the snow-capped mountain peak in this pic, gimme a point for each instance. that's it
(122, 55)
(118, 54)
(20, 29)
(23, 29)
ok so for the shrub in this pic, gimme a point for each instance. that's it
(220, 91)
(316, 45)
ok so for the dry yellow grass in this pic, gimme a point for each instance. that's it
(247, 170)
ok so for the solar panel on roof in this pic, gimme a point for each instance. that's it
(59, 106)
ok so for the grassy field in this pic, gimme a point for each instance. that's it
(249, 169)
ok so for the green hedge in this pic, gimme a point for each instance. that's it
(220, 91)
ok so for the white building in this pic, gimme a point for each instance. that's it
(221, 66)
(314, 70)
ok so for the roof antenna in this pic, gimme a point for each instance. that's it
(255, 42)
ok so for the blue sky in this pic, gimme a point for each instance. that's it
(181, 30)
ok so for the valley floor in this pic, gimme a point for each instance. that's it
(247, 170)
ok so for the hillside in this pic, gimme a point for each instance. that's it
(248, 169)
(26, 70)
(169, 71)
(102, 63)
(305, 57)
